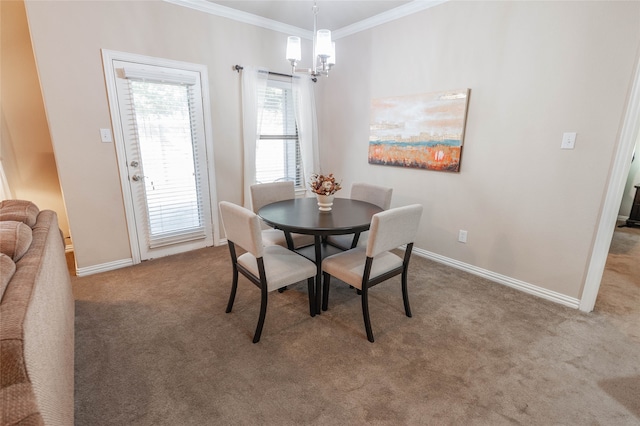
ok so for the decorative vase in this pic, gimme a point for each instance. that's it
(325, 202)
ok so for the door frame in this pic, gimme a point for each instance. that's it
(618, 174)
(108, 56)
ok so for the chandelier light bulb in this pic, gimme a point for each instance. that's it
(323, 43)
(294, 49)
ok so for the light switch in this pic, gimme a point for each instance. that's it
(568, 140)
(105, 135)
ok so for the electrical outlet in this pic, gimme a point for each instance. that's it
(568, 140)
(462, 236)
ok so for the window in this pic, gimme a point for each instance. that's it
(278, 148)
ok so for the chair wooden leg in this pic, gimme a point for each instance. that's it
(234, 287)
(325, 291)
(405, 294)
(312, 296)
(365, 313)
(263, 314)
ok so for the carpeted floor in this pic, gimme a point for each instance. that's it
(154, 346)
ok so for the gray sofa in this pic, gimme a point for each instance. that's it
(36, 319)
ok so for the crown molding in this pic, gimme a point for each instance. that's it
(249, 18)
(388, 16)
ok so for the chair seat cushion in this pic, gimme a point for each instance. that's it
(282, 266)
(349, 266)
(275, 237)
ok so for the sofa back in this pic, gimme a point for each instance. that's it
(37, 332)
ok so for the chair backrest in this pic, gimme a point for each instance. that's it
(378, 195)
(242, 227)
(267, 193)
(393, 228)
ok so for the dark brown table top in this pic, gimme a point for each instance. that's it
(302, 216)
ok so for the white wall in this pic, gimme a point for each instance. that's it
(535, 70)
(68, 38)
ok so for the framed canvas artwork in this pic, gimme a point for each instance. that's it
(424, 131)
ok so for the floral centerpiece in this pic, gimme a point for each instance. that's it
(324, 185)
(325, 188)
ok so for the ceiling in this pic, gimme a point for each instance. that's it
(332, 14)
(295, 17)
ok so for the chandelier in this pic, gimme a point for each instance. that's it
(324, 51)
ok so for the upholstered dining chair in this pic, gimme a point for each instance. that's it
(268, 267)
(374, 194)
(365, 267)
(267, 193)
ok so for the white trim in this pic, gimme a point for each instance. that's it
(523, 286)
(118, 264)
(270, 24)
(489, 275)
(240, 16)
(388, 16)
(175, 77)
(613, 198)
(108, 56)
(104, 267)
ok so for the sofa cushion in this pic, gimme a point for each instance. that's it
(19, 210)
(7, 269)
(15, 239)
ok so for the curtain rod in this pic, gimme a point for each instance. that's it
(240, 68)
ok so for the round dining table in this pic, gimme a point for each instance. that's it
(303, 216)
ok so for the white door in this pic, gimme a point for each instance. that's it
(166, 176)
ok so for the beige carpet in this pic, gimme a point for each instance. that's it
(154, 346)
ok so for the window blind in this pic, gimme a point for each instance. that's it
(162, 119)
(277, 149)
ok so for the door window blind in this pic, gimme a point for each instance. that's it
(162, 117)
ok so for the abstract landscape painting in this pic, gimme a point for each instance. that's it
(424, 131)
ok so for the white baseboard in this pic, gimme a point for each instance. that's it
(103, 267)
(484, 273)
(502, 279)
